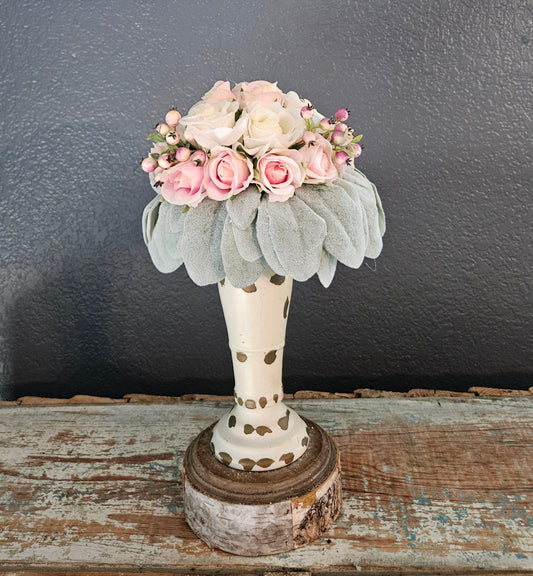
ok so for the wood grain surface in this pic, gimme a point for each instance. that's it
(431, 485)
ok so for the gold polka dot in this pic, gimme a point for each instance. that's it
(248, 428)
(283, 423)
(250, 289)
(286, 308)
(225, 457)
(250, 404)
(262, 401)
(247, 463)
(239, 400)
(232, 421)
(241, 357)
(265, 462)
(277, 279)
(276, 398)
(287, 458)
(270, 357)
(223, 281)
(262, 430)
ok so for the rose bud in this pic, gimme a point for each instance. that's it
(306, 112)
(183, 154)
(163, 129)
(308, 137)
(342, 114)
(341, 158)
(172, 138)
(199, 157)
(325, 124)
(164, 161)
(149, 164)
(173, 117)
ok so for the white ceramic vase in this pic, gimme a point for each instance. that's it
(260, 432)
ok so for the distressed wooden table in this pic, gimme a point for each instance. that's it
(430, 486)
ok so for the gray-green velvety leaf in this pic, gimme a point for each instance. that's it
(215, 250)
(326, 271)
(382, 225)
(300, 237)
(197, 233)
(262, 227)
(247, 244)
(176, 219)
(345, 239)
(239, 272)
(149, 219)
(297, 235)
(356, 184)
(164, 245)
(243, 208)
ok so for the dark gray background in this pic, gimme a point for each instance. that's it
(438, 88)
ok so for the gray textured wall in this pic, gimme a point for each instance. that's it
(440, 91)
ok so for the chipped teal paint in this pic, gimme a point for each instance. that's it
(173, 507)
(442, 519)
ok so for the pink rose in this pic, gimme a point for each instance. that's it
(227, 173)
(317, 160)
(279, 174)
(258, 91)
(220, 92)
(183, 184)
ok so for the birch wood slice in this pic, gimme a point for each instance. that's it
(259, 513)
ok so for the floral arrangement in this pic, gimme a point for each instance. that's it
(252, 133)
(255, 179)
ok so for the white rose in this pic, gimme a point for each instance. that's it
(292, 100)
(269, 125)
(211, 124)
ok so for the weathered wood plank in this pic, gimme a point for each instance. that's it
(428, 484)
(300, 394)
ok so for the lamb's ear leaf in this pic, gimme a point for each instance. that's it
(265, 241)
(239, 272)
(163, 233)
(247, 244)
(326, 272)
(346, 236)
(297, 234)
(202, 234)
(149, 218)
(242, 209)
(357, 185)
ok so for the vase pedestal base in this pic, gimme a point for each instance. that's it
(259, 513)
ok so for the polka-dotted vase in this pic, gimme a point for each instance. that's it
(260, 432)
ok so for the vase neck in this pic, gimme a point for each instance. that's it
(256, 321)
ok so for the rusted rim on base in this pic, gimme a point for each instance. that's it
(209, 476)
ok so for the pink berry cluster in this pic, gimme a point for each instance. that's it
(168, 140)
(251, 133)
(344, 141)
